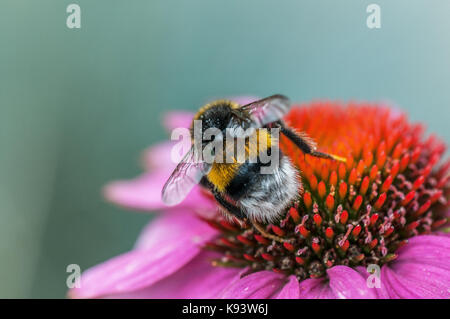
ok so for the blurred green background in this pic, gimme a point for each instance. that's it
(79, 105)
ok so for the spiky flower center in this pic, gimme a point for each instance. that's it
(352, 214)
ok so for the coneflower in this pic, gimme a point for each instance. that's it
(386, 206)
(355, 213)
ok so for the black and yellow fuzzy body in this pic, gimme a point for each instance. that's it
(239, 186)
(249, 177)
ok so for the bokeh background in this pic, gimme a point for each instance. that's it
(78, 106)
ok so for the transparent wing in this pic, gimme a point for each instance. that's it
(186, 175)
(267, 110)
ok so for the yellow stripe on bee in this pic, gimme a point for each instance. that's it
(222, 174)
(258, 142)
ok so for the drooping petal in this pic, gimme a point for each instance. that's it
(158, 157)
(426, 280)
(315, 289)
(196, 280)
(343, 282)
(447, 234)
(346, 282)
(421, 270)
(429, 249)
(144, 193)
(178, 238)
(395, 287)
(177, 225)
(258, 285)
(290, 290)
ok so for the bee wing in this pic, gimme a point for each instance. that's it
(267, 110)
(186, 175)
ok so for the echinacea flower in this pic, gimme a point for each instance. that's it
(385, 207)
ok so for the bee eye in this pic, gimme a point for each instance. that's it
(213, 152)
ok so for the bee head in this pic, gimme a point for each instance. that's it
(215, 116)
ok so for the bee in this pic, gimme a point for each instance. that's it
(239, 187)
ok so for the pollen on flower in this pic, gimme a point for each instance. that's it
(355, 213)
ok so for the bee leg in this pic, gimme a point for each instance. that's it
(263, 232)
(235, 211)
(229, 207)
(305, 144)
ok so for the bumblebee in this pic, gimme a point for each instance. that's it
(238, 186)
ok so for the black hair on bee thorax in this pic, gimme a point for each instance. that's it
(217, 116)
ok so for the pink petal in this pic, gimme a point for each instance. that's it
(429, 249)
(443, 233)
(164, 156)
(144, 193)
(196, 280)
(177, 225)
(346, 282)
(426, 281)
(159, 157)
(258, 285)
(291, 290)
(421, 270)
(178, 119)
(394, 286)
(315, 289)
(178, 238)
